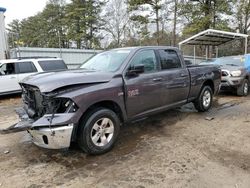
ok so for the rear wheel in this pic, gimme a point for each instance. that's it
(99, 131)
(205, 99)
(243, 89)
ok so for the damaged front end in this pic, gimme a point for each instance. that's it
(49, 119)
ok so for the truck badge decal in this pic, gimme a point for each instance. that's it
(132, 93)
(120, 94)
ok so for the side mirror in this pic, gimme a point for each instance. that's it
(135, 70)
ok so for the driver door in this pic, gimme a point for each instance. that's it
(143, 91)
(9, 78)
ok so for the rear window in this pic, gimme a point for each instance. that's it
(51, 65)
(169, 59)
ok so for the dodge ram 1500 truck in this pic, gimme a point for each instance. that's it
(114, 87)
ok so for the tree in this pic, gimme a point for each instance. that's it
(154, 5)
(175, 21)
(14, 30)
(205, 14)
(42, 30)
(115, 21)
(53, 15)
(242, 16)
(141, 23)
(82, 21)
(241, 20)
(33, 33)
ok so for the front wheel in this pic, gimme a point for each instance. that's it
(242, 90)
(98, 131)
(205, 99)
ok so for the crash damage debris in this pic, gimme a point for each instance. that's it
(209, 118)
(6, 152)
(20, 126)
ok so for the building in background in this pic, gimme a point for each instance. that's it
(3, 36)
(72, 57)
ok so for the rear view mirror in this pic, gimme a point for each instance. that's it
(135, 70)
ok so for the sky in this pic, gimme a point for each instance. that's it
(19, 9)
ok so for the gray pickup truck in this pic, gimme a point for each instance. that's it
(89, 104)
(235, 71)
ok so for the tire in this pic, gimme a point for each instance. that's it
(98, 131)
(205, 99)
(243, 89)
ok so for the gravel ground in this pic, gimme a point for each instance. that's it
(178, 148)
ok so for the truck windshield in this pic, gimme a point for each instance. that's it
(109, 61)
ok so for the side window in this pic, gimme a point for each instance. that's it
(26, 67)
(8, 69)
(146, 58)
(169, 59)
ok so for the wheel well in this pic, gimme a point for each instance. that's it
(103, 104)
(107, 104)
(209, 83)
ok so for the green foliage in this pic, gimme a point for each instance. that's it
(117, 23)
(155, 5)
(242, 15)
(59, 25)
(205, 14)
(14, 33)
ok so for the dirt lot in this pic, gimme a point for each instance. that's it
(178, 148)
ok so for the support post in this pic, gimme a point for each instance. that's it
(217, 51)
(194, 55)
(206, 52)
(246, 45)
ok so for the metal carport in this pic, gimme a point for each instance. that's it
(213, 37)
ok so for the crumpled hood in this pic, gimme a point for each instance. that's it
(50, 81)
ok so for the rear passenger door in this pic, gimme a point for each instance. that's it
(175, 77)
(25, 68)
(9, 78)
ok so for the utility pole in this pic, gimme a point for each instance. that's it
(3, 41)
(175, 20)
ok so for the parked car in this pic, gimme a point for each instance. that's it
(235, 73)
(112, 88)
(12, 71)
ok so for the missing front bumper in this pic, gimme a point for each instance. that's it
(52, 138)
(46, 133)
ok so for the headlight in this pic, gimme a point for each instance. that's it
(235, 73)
(61, 105)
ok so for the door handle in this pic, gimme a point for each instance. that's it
(183, 75)
(157, 79)
(12, 77)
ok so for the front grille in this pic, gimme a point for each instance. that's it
(224, 73)
(33, 101)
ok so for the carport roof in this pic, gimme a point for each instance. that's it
(212, 37)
